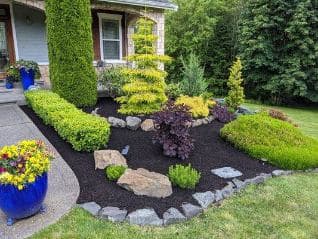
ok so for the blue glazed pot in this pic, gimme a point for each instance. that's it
(9, 85)
(18, 204)
(27, 78)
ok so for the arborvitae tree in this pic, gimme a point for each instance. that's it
(236, 92)
(145, 92)
(69, 29)
(279, 49)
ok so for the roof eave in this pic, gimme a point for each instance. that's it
(159, 6)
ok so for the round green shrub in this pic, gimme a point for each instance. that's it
(262, 136)
(184, 177)
(114, 172)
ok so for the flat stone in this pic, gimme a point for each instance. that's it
(173, 215)
(239, 184)
(133, 123)
(105, 158)
(277, 173)
(144, 217)
(260, 178)
(204, 199)
(113, 214)
(228, 190)
(190, 210)
(91, 207)
(226, 172)
(145, 183)
(117, 123)
(125, 150)
(148, 125)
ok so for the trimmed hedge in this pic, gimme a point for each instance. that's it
(70, 45)
(84, 131)
(279, 142)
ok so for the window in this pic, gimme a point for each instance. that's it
(110, 37)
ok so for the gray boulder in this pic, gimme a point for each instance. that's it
(277, 173)
(190, 210)
(226, 172)
(144, 217)
(204, 199)
(133, 123)
(113, 214)
(91, 207)
(173, 215)
(228, 190)
(115, 122)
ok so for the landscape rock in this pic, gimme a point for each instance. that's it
(239, 184)
(226, 172)
(218, 195)
(144, 217)
(115, 122)
(261, 178)
(197, 123)
(95, 112)
(244, 111)
(105, 158)
(277, 173)
(145, 183)
(190, 210)
(204, 199)
(125, 150)
(91, 207)
(113, 214)
(173, 215)
(228, 190)
(210, 118)
(148, 125)
(133, 123)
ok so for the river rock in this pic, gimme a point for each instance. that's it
(148, 125)
(105, 158)
(115, 122)
(133, 123)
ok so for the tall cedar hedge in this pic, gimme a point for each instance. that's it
(279, 49)
(71, 50)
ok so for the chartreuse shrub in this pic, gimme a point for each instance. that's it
(184, 177)
(236, 92)
(114, 172)
(279, 142)
(83, 131)
(199, 108)
(70, 45)
(145, 91)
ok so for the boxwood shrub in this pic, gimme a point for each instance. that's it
(84, 131)
(279, 142)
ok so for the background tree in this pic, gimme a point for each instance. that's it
(235, 96)
(145, 91)
(279, 49)
(207, 28)
(70, 44)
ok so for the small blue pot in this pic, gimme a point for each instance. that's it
(27, 78)
(19, 204)
(9, 85)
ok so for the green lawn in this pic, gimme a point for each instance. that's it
(306, 118)
(286, 207)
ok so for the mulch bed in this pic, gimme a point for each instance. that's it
(210, 152)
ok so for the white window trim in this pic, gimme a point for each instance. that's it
(101, 17)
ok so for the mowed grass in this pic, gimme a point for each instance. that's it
(306, 117)
(285, 207)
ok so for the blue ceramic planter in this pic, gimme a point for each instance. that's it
(27, 78)
(19, 204)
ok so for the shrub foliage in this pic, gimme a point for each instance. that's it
(145, 91)
(112, 80)
(199, 108)
(236, 92)
(83, 131)
(222, 114)
(281, 143)
(70, 47)
(172, 130)
(184, 177)
(114, 172)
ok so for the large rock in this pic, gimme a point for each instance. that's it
(133, 123)
(115, 122)
(145, 183)
(144, 217)
(204, 199)
(91, 207)
(148, 125)
(191, 210)
(113, 214)
(105, 158)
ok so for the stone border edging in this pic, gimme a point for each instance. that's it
(148, 216)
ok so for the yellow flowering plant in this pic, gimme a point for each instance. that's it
(20, 164)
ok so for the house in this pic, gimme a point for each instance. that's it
(23, 29)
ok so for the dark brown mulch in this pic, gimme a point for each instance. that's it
(210, 152)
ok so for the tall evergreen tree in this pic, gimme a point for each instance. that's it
(69, 28)
(279, 49)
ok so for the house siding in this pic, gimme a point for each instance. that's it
(30, 37)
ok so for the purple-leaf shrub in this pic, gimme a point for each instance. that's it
(222, 114)
(172, 130)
